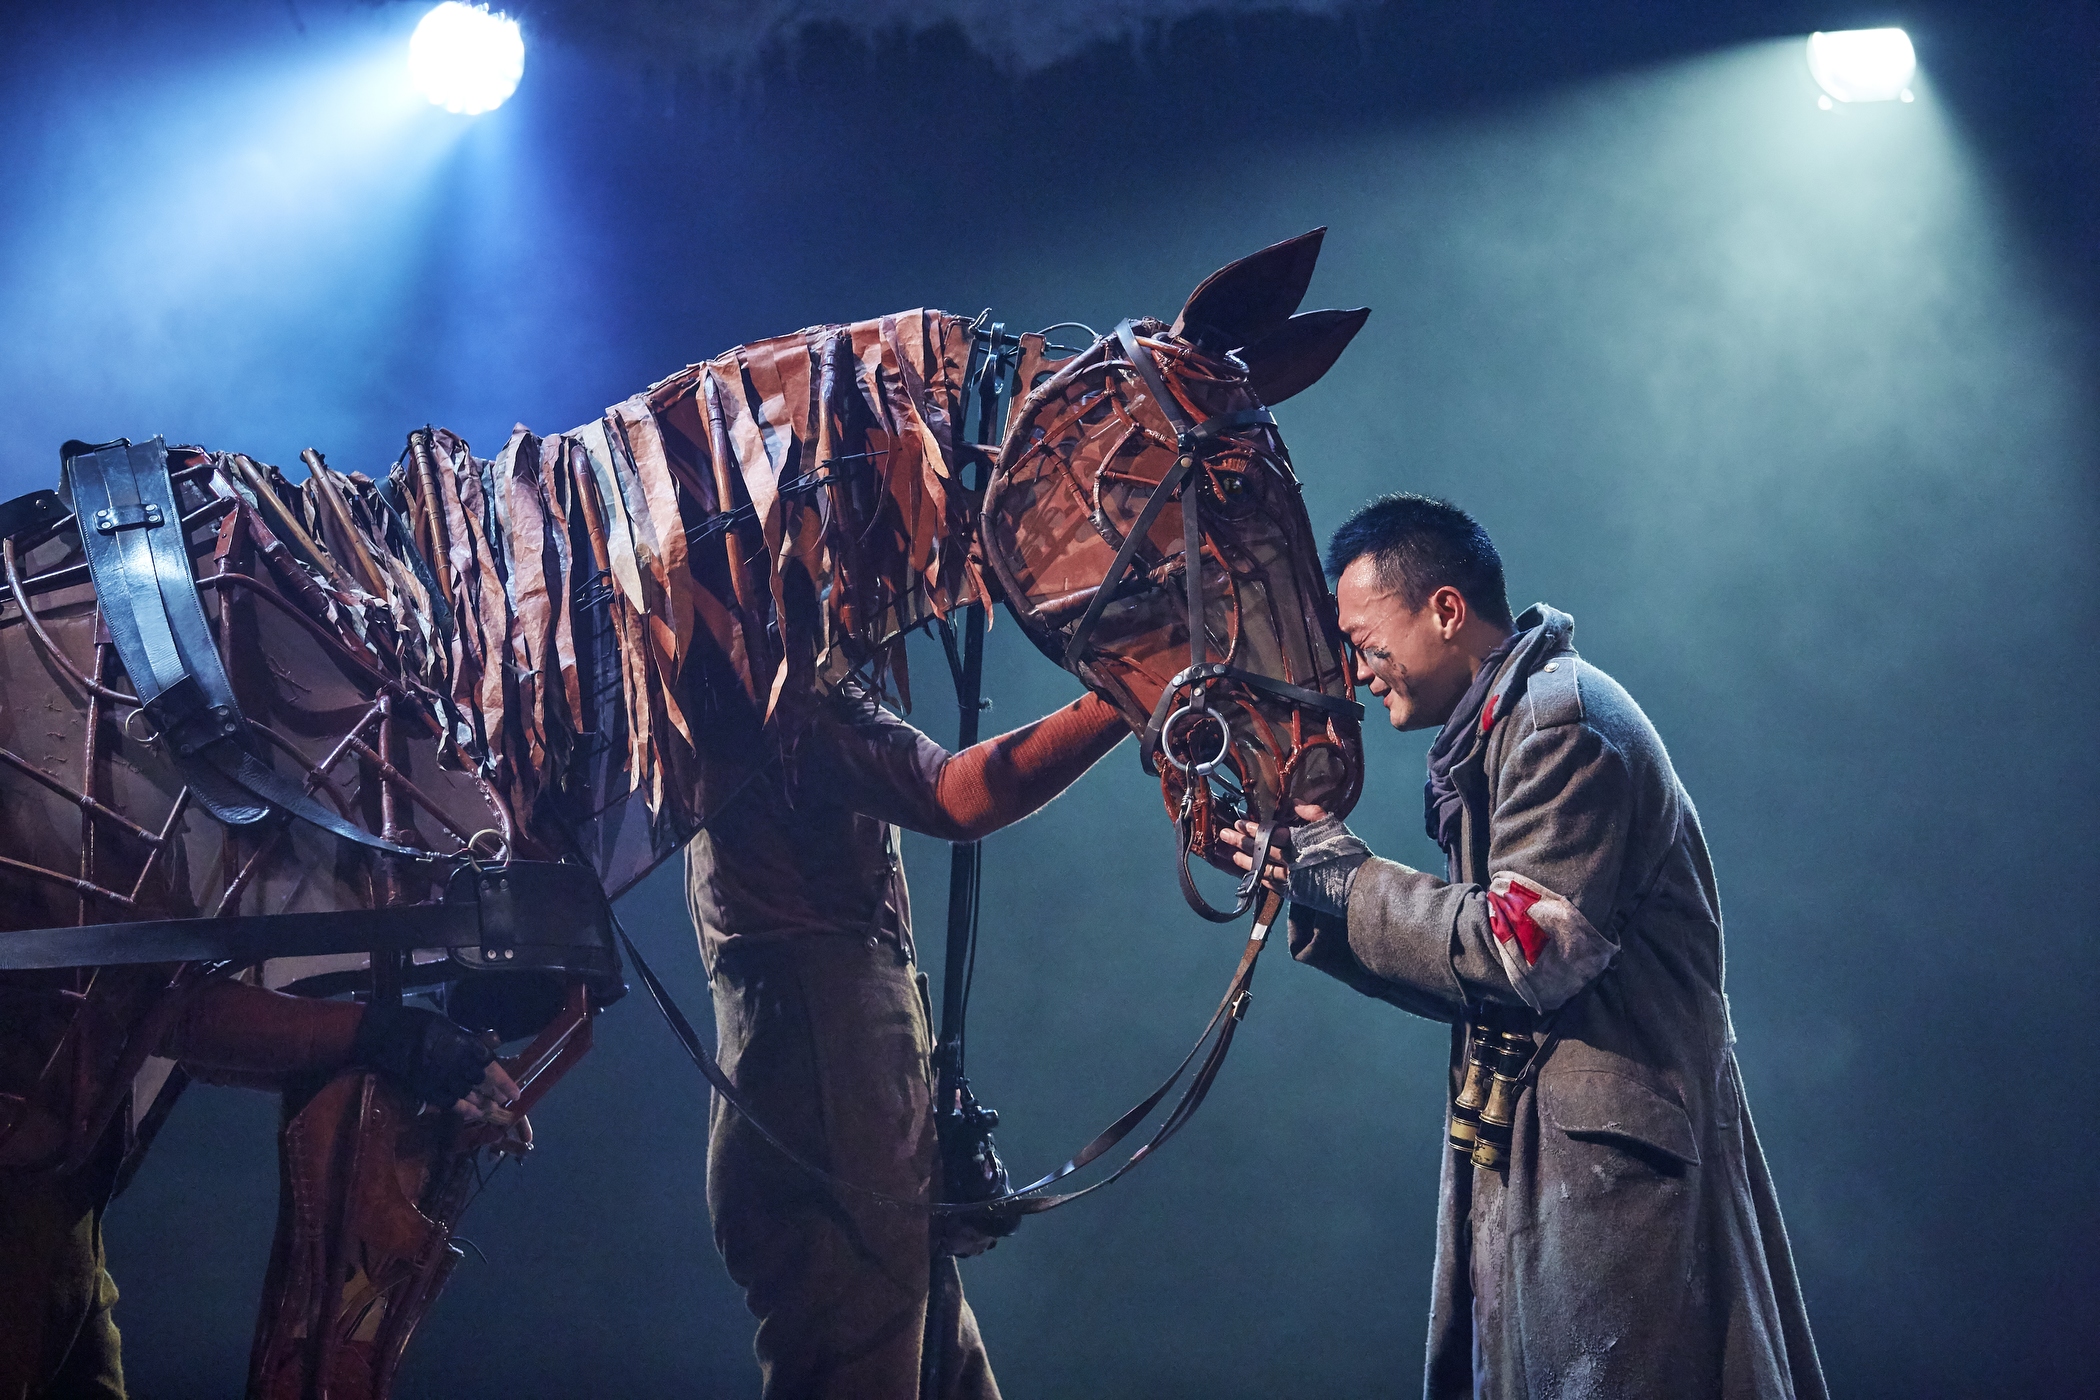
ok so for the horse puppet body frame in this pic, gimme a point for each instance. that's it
(483, 659)
(572, 651)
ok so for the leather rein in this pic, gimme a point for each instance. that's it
(1024, 1200)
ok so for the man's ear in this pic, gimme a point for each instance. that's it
(1450, 610)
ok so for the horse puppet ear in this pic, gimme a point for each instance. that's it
(1243, 301)
(1297, 353)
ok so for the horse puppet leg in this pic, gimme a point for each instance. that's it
(356, 1261)
(371, 1188)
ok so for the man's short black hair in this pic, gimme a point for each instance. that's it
(1419, 545)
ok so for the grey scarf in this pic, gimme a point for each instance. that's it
(1442, 807)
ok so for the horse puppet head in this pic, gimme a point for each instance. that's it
(1150, 448)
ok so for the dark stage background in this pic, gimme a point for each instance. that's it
(1791, 409)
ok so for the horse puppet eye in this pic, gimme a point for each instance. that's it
(1229, 489)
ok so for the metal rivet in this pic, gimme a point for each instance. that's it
(488, 954)
(1552, 665)
(510, 952)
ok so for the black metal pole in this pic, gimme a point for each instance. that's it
(965, 865)
(964, 860)
(964, 857)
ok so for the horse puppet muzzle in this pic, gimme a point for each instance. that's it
(1154, 448)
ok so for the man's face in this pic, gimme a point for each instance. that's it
(1410, 658)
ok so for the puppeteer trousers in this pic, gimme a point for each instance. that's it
(828, 1039)
(57, 1341)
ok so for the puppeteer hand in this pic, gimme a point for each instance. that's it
(490, 1100)
(437, 1060)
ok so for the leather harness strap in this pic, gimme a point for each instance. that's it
(1282, 690)
(496, 908)
(1161, 494)
(1192, 439)
(1243, 897)
(35, 511)
(132, 533)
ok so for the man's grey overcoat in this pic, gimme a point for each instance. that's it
(1633, 1248)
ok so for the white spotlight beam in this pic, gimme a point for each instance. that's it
(1862, 65)
(465, 59)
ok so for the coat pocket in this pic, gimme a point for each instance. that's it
(1598, 1105)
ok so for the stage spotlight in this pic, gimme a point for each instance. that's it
(465, 59)
(1862, 65)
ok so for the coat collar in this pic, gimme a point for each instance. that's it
(1543, 631)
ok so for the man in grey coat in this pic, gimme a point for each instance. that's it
(1617, 1235)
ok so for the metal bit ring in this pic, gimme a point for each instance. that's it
(1166, 740)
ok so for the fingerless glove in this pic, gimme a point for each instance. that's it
(1324, 861)
(432, 1057)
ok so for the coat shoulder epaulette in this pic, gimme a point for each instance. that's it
(1555, 695)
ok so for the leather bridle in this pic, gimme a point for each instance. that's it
(1195, 443)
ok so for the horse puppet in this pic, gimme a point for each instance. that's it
(412, 734)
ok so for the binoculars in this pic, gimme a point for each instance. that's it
(1484, 1110)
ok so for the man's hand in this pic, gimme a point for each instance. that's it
(1244, 837)
(1313, 864)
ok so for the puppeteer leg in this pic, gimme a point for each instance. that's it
(57, 1340)
(966, 1372)
(828, 1038)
